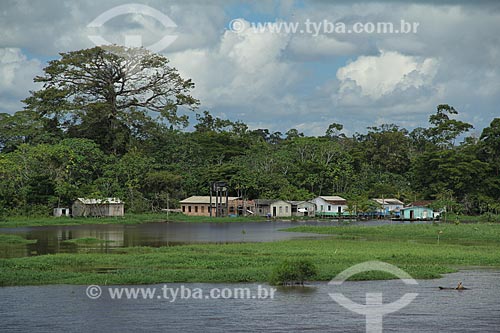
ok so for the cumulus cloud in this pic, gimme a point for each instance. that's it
(244, 69)
(381, 75)
(16, 78)
(286, 80)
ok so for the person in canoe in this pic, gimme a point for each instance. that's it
(458, 287)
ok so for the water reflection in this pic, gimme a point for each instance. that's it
(55, 239)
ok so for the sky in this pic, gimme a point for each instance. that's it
(245, 68)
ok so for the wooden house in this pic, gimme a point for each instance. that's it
(263, 207)
(98, 207)
(303, 208)
(330, 206)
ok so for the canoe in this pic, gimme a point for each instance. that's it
(444, 288)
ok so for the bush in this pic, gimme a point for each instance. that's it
(293, 272)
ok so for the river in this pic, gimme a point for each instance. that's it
(67, 308)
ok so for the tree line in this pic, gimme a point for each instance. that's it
(111, 122)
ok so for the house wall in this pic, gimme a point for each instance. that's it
(196, 209)
(281, 209)
(324, 208)
(419, 213)
(80, 209)
(262, 210)
(311, 209)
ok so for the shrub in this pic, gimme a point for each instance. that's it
(293, 272)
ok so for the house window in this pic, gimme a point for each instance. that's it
(183, 208)
(189, 209)
(196, 209)
(322, 207)
(203, 209)
(329, 208)
(281, 209)
(286, 209)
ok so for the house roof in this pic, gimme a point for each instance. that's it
(334, 199)
(199, 199)
(413, 207)
(388, 201)
(295, 203)
(94, 201)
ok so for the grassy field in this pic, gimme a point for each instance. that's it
(13, 222)
(461, 234)
(413, 248)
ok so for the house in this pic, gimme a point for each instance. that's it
(263, 207)
(58, 212)
(417, 213)
(330, 206)
(98, 207)
(280, 208)
(303, 208)
(389, 206)
(241, 207)
(200, 205)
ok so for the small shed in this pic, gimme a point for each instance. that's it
(280, 208)
(417, 213)
(98, 207)
(60, 211)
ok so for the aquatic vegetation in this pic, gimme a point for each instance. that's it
(412, 248)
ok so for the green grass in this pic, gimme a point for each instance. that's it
(14, 240)
(412, 248)
(86, 241)
(463, 234)
(13, 222)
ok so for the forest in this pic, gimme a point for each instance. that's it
(119, 122)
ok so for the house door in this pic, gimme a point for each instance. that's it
(274, 211)
(412, 215)
(339, 210)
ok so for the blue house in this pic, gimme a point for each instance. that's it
(417, 213)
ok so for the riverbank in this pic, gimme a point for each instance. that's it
(129, 218)
(22, 221)
(410, 247)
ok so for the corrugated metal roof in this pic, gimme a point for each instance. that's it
(332, 198)
(199, 199)
(389, 201)
(93, 201)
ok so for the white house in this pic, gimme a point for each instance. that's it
(280, 208)
(389, 206)
(330, 206)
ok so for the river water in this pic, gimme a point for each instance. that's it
(67, 308)
(53, 239)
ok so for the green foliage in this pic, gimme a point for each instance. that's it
(293, 272)
(106, 123)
